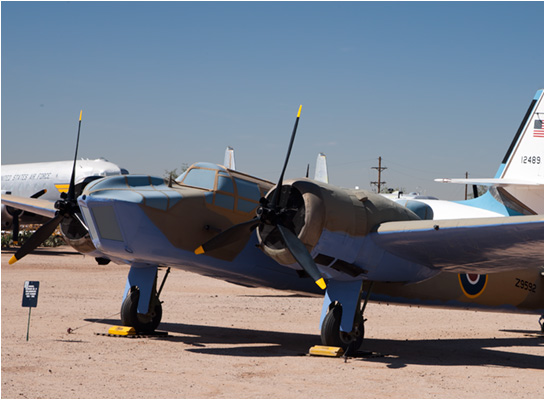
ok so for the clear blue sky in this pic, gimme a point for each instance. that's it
(436, 89)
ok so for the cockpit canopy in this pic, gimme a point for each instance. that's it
(228, 186)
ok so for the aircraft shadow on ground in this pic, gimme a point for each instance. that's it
(393, 353)
(469, 352)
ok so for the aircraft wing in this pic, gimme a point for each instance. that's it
(36, 206)
(479, 246)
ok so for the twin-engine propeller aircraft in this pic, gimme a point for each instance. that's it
(352, 243)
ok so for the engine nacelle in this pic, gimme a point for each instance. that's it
(7, 218)
(316, 209)
(8, 214)
(75, 235)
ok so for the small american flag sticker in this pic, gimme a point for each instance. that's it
(538, 128)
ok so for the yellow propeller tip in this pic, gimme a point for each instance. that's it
(81, 112)
(199, 250)
(321, 283)
(299, 112)
(12, 260)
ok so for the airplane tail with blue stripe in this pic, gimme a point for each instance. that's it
(518, 183)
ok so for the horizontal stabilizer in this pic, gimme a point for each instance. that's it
(490, 182)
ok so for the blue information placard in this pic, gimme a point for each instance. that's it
(30, 293)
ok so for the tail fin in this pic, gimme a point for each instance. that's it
(320, 174)
(519, 181)
(524, 158)
(229, 160)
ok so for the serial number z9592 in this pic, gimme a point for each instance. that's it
(525, 285)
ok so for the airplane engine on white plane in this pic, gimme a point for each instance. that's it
(314, 210)
(8, 214)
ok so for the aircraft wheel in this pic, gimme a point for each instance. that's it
(143, 323)
(331, 334)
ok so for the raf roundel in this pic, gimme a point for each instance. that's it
(472, 285)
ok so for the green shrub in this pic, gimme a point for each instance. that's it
(54, 240)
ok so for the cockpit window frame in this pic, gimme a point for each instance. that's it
(236, 200)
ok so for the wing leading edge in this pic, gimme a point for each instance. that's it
(480, 246)
(36, 206)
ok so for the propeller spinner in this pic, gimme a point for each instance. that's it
(275, 214)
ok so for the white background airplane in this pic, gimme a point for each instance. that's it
(47, 180)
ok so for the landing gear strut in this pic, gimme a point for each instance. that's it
(331, 334)
(143, 323)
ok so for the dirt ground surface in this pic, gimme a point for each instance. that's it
(227, 341)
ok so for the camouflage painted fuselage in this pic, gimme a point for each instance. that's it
(140, 219)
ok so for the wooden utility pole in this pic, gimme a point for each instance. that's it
(380, 168)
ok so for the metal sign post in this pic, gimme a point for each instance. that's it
(30, 299)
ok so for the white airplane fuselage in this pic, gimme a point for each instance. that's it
(28, 179)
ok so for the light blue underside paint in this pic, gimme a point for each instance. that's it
(143, 276)
(144, 242)
(346, 293)
(338, 245)
(140, 189)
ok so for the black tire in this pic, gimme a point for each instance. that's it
(331, 334)
(143, 323)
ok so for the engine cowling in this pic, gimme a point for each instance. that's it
(310, 209)
(76, 235)
(7, 218)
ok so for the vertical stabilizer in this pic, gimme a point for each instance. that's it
(320, 174)
(518, 184)
(524, 158)
(229, 160)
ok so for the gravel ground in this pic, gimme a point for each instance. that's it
(227, 341)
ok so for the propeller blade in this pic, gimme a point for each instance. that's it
(276, 194)
(67, 207)
(72, 187)
(38, 194)
(228, 236)
(301, 254)
(37, 238)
